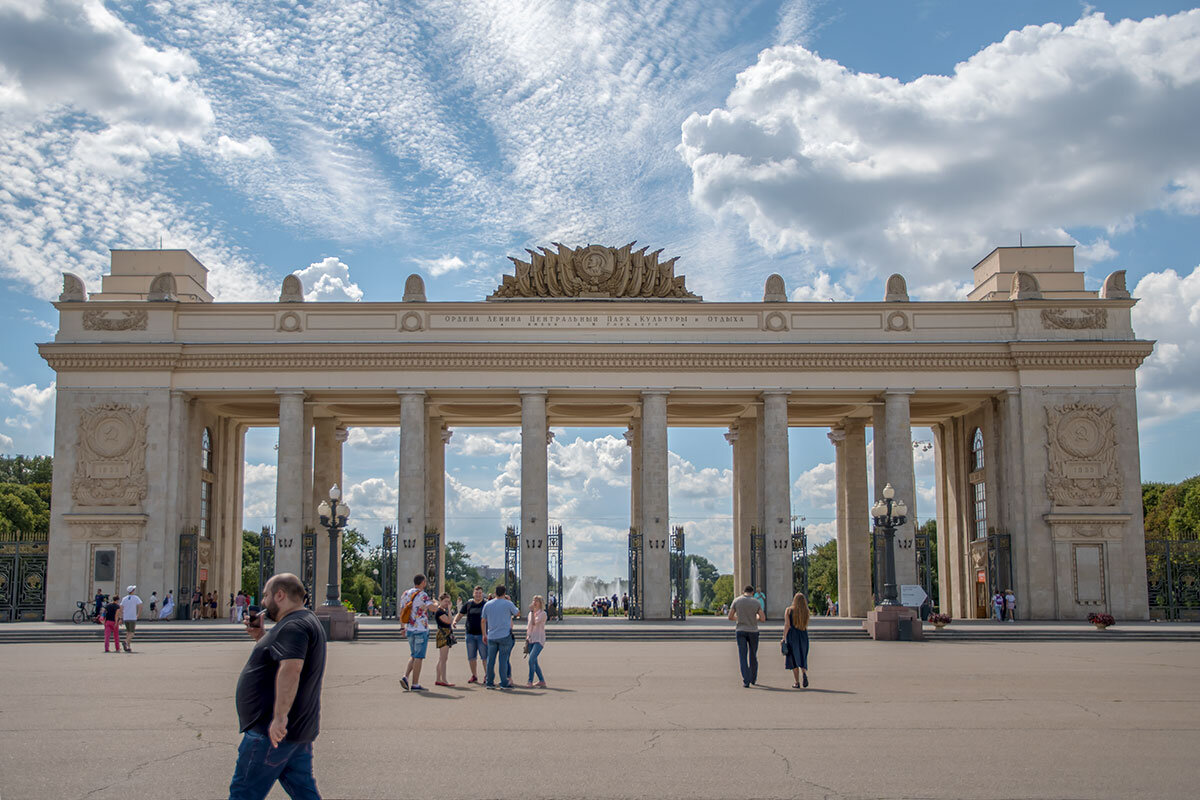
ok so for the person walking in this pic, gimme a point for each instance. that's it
(99, 599)
(795, 639)
(197, 604)
(1010, 605)
(278, 697)
(535, 640)
(414, 608)
(747, 612)
(445, 638)
(168, 607)
(112, 623)
(473, 611)
(762, 602)
(153, 606)
(131, 609)
(998, 606)
(497, 620)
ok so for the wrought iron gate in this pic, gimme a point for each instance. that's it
(799, 560)
(266, 559)
(554, 541)
(23, 576)
(924, 564)
(388, 578)
(188, 561)
(636, 610)
(758, 561)
(678, 555)
(308, 567)
(1173, 577)
(433, 562)
(512, 564)
(999, 560)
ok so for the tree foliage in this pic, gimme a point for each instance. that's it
(822, 575)
(23, 509)
(1172, 510)
(459, 570)
(26, 469)
(722, 591)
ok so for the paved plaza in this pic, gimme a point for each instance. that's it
(627, 719)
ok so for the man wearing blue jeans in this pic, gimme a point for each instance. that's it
(279, 697)
(473, 611)
(748, 612)
(497, 620)
(416, 630)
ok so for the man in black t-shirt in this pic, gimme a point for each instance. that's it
(112, 622)
(279, 696)
(473, 611)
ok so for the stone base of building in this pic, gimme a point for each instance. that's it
(884, 623)
(342, 625)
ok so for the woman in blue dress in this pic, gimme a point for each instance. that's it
(795, 639)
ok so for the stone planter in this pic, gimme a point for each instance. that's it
(939, 625)
(1100, 627)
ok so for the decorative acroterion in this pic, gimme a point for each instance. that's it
(591, 272)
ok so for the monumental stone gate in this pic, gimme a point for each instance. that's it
(1028, 386)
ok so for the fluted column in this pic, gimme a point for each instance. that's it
(307, 473)
(535, 440)
(289, 482)
(837, 438)
(410, 559)
(777, 503)
(858, 520)
(731, 437)
(898, 440)
(656, 570)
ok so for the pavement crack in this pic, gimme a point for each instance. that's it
(637, 684)
(653, 740)
(355, 683)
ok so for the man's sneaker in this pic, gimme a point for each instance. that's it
(473, 680)
(416, 687)
(404, 683)
(489, 686)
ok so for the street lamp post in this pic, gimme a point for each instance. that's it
(889, 514)
(333, 514)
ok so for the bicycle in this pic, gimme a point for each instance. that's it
(84, 613)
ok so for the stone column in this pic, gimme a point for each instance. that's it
(898, 441)
(656, 563)
(777, 503)
(746, 484)
(290, 497)
(837, 437)
(535, 438)
(179, 446)
(858, 520)
(633, 438)
(410, 559)
(731, 437)
(437, 436)
(310, 511)
(327, 471)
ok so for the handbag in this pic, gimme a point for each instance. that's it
(783, 647)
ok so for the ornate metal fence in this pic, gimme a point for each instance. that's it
(678, 555)
(1173, 577)
(512, 564)
(388, 578)
(266, 558)
(758, 562)
(557, 590)
(23, 575)
(636, 610)
(188, 561)
(433, 562)
(924, 563)
(799, 560)
(308, 567)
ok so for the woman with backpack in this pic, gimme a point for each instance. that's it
(795, 639)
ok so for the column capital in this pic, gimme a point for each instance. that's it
(731, 436)
(889, 392)
(628, 436)
(410, 393)
(290, 392)
(655, 392)
(447, 435)
(341, 434)
(533, 392)
(837, 436)
(549, 437)
(775, 392)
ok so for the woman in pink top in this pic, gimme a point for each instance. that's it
(535, 639)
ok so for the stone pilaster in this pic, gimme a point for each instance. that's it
(534, 495)
(307, 487)
(290, 496)
(898, 441)
(327, 471)
(858, 521)
(837, 437)
(633, 438)
(746, 485)
(410, 559)
(656, 569)
(777, 505)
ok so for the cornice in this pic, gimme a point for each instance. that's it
(745, 358)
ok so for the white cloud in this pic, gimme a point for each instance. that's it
(328, 280)
(823, 287)
(258, 496)
(373, 503)
(34, 402)
(816, 488)
(1048, 129)
(440, 266)
(252, 147)
(373, 439)
(1168, 310)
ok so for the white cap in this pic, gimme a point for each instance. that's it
(130, 588)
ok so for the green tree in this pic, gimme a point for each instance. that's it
(722, 591)
(23, 509)
(822, 575)
(250, 548)
(459, 569)
(26, 469)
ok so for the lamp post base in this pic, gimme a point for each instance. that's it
(339, 623)
(884, 623)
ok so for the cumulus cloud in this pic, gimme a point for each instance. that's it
(328, 280)
(1051, 128)
(822, 287)
(1169, 311)
(373, 438)
(258, 496)
(35, 404)
(252, 147)
(440, 266)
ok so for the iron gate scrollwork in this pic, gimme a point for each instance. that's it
(266, 559)
(635, 574)
(308, 566)
(758, 561)
(387, 568)
(678, 555)
(512, 564)
(999, 563)
(924, 563)
(799, 560)
(433, 562)
(1173, 577)
(188, 563)
(23, 559)
(554, 543)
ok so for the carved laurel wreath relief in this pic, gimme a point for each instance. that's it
(1062, 319)
(111, 465)
(95, 319)
(1083, 470)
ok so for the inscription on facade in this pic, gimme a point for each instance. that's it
(580, 321)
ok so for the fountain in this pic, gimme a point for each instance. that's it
(694, 578)
(581, 591)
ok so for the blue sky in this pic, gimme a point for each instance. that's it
(832, 143)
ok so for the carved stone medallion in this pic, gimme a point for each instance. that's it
(1060, 318)
(1083, 470)
(95, 319)
(110, 469)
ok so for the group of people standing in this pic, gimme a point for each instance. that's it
(601, 606)
(1004, 606)
(488, 632)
